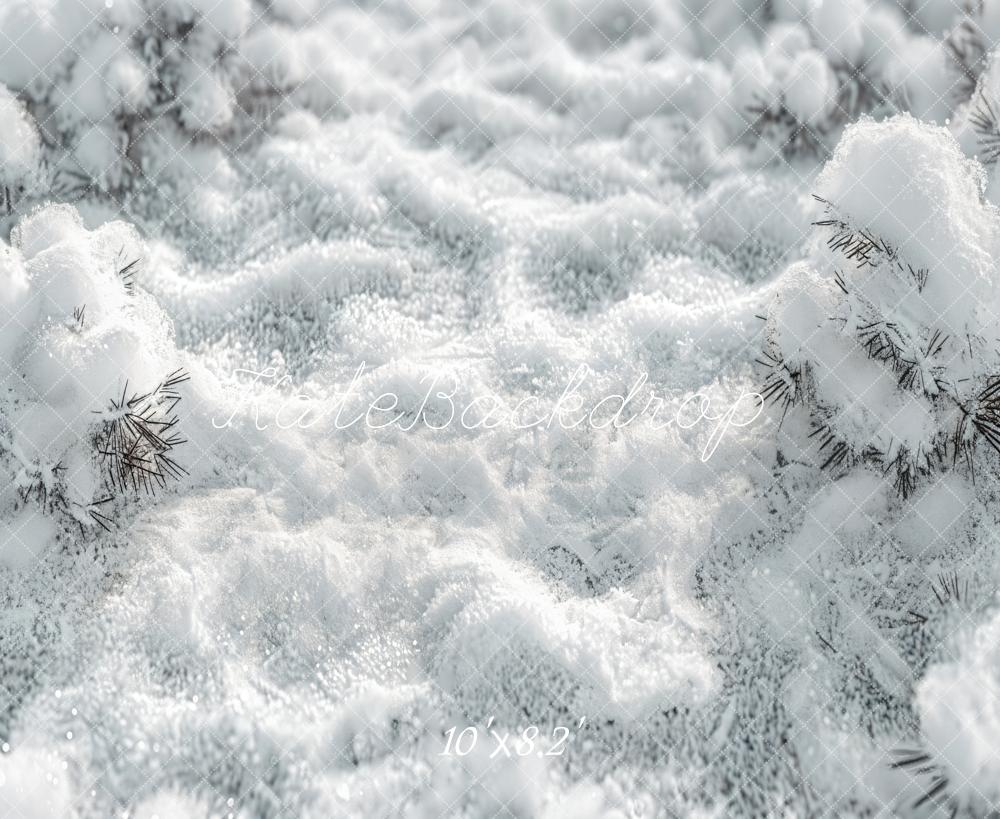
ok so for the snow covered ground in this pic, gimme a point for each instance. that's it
(231, 588)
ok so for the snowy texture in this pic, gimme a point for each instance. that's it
(957, 702)
(891, 346)
(221, 598)
(75, 334)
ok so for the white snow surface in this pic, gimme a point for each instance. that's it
(487, 196)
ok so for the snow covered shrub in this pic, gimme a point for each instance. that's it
(820, 68)
(101, 77)
(956, 763)
(73, 331)
(883, 338)
(137, 435)
(20, 150)
(977, 124)
(969, 44)
(810, 78)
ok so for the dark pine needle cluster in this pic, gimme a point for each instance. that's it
(138, 436)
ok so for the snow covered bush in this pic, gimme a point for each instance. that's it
(20, 150)
(810, 77)
(970, 44)
(109, 82)
(818, 68)
(956, 763)
(977, 122)
(884, 338)
(74, 334)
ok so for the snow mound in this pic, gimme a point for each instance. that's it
(887, 341)
(910, 184)
(75, 333)
(959, 707)
(500, 624)
(34, 784)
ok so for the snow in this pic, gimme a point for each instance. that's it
(926, 201)
(206, 104)
(20, 149)
(167, 805)
(34, 784)
(957, 703)
(839, 27)
(74, 337)
(874, 411)
(517, 211)
(809, 86)
(26, 537)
